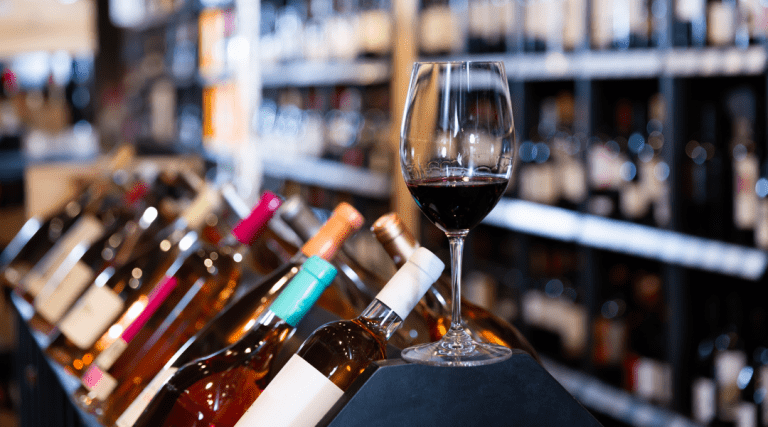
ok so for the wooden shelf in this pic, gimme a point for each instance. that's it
(614, 402)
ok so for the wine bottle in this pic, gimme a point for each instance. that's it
(78, 270)
(690, 25)
(113, 249)
(239, 318)
(649, 374)
(37, 236)
(703, 389)
(435, 307)
(721, 22)
(439, 28)
(111, 304)
(356, 284)
(217, 389)
(208, 279)
(354, 280)
(105, 211)
(729, 359)
(334, 355)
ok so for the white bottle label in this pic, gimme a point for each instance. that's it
(107, 358)
(53, 306)
(746, 415)
(298, 396)
(746, 172)
(86, 230)
(703, 400)
(132, 413)
(728, 365)
(99, 383)
(91, 317)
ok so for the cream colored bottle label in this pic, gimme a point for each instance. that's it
(132, 413)
(99, 383)
(90, 318)
(298, 396)
(107, 358)
(86, 230)
(54, 306)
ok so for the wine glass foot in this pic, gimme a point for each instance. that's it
(456, 348)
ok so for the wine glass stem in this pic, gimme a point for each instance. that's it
(456, 241)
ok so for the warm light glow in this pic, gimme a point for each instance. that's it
(136, 309)
(165, 245)
(78, 364)
(115, 331)
(237, 257)
(87, 358)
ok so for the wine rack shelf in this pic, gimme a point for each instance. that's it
(299, 74)
(617, 404)
(629, 64)
(390, 392)
(330, 175)
(625, 237)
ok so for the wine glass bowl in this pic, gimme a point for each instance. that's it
(457, 156)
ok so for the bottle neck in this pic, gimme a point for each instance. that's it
(380, 319)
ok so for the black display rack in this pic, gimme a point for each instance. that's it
(517, 392)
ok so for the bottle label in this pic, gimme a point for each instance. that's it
(86, 230)
(99, 383)
(745, 199)
(107, 358)
(728, 365)
(762, 381)
(132, 413)
(720, 23)
(87, 320)
(53, 306)
(703, 406)
(436, 29)
(746, 415)
(298, 396)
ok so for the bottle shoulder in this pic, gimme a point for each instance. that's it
(341, 350)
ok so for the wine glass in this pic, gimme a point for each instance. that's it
(457, 154)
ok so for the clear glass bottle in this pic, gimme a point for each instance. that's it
(111, 304)
(217, 389)
(207, 280)
(236, 320)
(335, 354)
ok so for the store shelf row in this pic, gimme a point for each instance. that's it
(330, 175)
(356, 73)
(629, 238)
(629, 64)
(616, 403)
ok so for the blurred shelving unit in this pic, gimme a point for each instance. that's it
(185, 84)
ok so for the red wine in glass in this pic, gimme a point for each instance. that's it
(457, 203)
